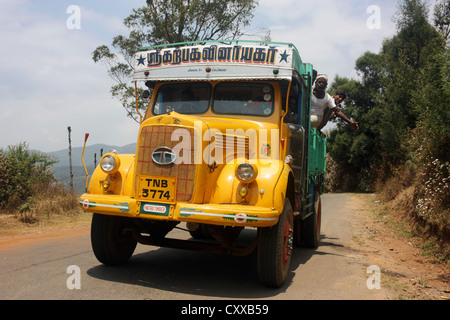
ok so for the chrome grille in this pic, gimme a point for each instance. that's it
(152, 137)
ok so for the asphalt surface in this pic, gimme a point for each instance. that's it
(63, 267)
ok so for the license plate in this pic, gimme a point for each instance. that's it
(155, 209)
(157, 188)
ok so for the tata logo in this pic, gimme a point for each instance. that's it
(164, 156)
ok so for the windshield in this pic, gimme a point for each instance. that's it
(232, 98)
(242, 98)
(187, 98)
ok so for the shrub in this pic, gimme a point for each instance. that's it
(21, 174)
(433, 196)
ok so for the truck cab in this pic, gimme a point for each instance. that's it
(225, 145)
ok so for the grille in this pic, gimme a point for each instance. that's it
(152, 137)
(234, 146)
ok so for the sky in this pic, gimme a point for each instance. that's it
(48, 80)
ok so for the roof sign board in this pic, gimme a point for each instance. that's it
(216, 61)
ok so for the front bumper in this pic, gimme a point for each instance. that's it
(215, 214)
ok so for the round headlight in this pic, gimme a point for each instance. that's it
(110, 163)
(246, 173)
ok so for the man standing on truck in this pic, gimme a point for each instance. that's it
(323, 105)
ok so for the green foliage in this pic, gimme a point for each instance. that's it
(403, 89)
(22, 174)
(161, 22)
(402, 104)
(432, 104)
(178, 21)
(442, 18)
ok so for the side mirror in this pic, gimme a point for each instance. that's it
(146, 94)
(150, 84)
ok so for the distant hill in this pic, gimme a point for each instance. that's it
(63, 155)
(92, 156)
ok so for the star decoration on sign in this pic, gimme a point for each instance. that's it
(141, 60)
(284, 56)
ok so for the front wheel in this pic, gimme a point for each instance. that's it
(111, 245)
(275, 249)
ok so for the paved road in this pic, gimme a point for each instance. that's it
(39, 269)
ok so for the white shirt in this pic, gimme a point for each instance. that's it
(318, 107)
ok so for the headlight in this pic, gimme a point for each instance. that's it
(110, 163)
(246, 173)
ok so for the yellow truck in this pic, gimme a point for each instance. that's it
(224, 145)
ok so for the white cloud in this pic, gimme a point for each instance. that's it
(113, 24)
(48, 81)
(330, 34)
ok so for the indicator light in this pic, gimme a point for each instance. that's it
(243, 192)
(106, 184)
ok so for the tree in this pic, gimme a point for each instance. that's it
(442, 18)
(402, 93)
(407, 57)
(174, 21)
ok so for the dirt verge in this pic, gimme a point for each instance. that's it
(385, 241)
(14, 232)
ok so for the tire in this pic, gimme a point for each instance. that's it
(275, 249)
(201, 232)
(110, 245)
(298, 232)
(311, 225)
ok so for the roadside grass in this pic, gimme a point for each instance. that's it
(50, 209)
(10, 224)
(394, 284)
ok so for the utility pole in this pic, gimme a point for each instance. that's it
(70, 159)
